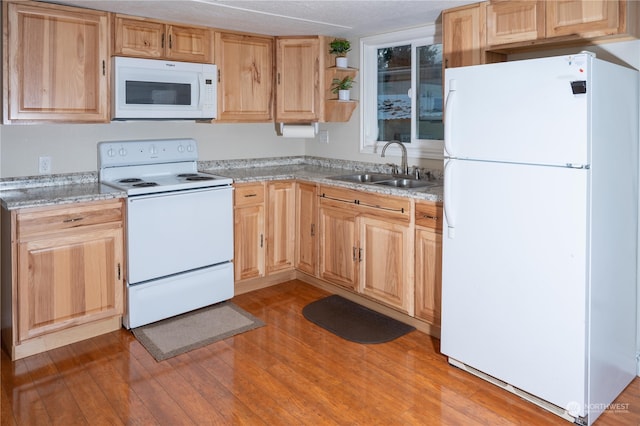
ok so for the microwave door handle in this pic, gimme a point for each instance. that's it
(201, 89)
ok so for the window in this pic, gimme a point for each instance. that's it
(402, 92)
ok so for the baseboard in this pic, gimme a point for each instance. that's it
(65, 337)
(252, 284)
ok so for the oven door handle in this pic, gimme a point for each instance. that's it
(133, 198)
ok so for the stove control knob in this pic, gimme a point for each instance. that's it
(180, 148)
(111, 152)
(190, 148)
(153, 150)
(122, 152)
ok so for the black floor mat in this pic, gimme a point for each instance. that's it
(354, 322)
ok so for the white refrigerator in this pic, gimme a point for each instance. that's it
(540, 229)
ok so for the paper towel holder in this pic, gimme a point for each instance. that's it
(314, 125)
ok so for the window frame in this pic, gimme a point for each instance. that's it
(419, 36)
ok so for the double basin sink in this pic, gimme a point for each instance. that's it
(385, 180)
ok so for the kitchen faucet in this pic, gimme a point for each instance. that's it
(403, 166)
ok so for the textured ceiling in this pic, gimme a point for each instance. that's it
(347, 18)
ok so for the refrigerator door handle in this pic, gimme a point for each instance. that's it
(448, 205)
(448, 115)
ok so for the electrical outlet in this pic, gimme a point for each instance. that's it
(323, 136)
(44, 165)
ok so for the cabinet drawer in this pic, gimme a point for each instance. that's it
(429, 215)
(371, 203)
(248, 194)
(37, 221)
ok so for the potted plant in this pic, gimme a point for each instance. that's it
(340, 47)
(342, 87)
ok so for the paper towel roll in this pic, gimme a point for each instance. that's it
(298, 131)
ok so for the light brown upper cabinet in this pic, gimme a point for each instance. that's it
(593, 18)
(463, 37)
(304, 74)
(56, 63)
(515, 21)
(147, 38)
(525, 23)
(245, 77)
(298, 91)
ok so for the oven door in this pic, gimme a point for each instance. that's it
(175, 232)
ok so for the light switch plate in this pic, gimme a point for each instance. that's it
(323, 136)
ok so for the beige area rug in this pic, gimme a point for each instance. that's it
(174, 336)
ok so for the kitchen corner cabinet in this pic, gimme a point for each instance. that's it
(428, 266)
(147, 38)
(66, 275)
(298, 91)
(56, 60)
(245, 77)
(264, 219)
(304, 73)
(366, 245)
(281, 225)
(306, 244)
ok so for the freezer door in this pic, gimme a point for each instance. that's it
(514, 276)
(521, 111)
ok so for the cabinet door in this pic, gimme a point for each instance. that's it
(188, 44)
(138, 37)
(248, 259)
(338, 247)
(515, 21)
(298, 94)
(428, 277)
(68, 279)
(57, 69)
(386, 268)
(245, 87)
(463, 36)
(306, 228)
(590, 18)
(281, 201)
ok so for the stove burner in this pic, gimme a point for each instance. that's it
(130, 180)
(186, 175)
(199, 178)
(145, 184)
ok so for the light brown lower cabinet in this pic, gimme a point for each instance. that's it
(428, 266)
(62, 275)
(366, 245)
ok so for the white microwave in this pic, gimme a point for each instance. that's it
(150, 89)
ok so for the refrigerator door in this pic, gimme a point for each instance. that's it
(515, 275)
(521, 111)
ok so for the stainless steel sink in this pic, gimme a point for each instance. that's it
(405, 183)
(364, 177)
(384, 179)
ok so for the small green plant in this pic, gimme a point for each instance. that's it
(344, 84)
(339, 47)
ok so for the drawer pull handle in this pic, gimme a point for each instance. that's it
(250, 195)
(426, 216)
(72, 219)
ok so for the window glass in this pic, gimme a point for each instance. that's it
(429, 92)
(401, 88)
(394, 85)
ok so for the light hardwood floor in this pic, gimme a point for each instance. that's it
(289, 372)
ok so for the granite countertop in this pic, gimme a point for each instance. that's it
(323, 174)
(36, 191)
